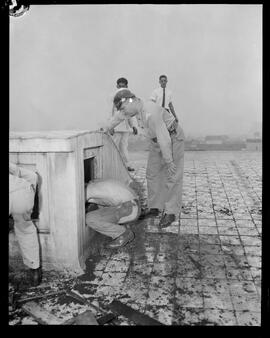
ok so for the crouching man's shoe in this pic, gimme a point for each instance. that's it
(122, 240)
(166, 220)
(35, 276)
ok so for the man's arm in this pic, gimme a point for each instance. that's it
(111, 131)
(114, 121)
(163, 138)
(173, 111)
(165, 143)
(153, 96)
(132, 125)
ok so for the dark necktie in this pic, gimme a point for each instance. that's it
(163, 100)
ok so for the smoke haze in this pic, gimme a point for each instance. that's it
(65, 60)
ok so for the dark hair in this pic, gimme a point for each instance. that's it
(121, 96)
(161, 76)
(122, 80)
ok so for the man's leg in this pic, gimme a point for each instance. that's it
(116, 138)
(27, 237)
(155, 183)
(124, 149)
(123, 146)
(21, 205)
(121, 140)
(104, 221)
(173, 190)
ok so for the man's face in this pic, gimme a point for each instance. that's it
(121, 85)
(163, 81)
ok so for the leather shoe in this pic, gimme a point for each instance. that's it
(166, 220)
(35, 276)
(122, 240)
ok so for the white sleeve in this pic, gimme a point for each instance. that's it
(115, 120)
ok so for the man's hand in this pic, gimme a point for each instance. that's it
(107, 131)
(135, 130)
(171, 167)
(174, 125)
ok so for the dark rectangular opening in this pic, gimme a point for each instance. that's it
(88, 169)
(89, 175)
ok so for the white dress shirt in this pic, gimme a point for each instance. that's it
(157, 96)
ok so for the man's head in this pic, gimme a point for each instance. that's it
(130, 105)
(163, 81)
(122, 96)
(122, 83)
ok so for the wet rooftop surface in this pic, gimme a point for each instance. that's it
(205, 269)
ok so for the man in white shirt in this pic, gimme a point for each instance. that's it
(122, 131)
(165, 165)
(22, 187)
(163, 96)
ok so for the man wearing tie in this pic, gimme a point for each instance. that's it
(163, 96)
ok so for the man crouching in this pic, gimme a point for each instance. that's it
(113, 204)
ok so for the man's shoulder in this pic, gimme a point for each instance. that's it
(119, 89)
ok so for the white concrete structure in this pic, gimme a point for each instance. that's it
(65, 161)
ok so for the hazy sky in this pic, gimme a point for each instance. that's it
(65, 59)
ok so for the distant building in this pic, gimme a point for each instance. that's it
(254, 144)
(191, 144)
(216, 139)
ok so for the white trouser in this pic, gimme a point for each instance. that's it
(25, 230)
(106, 220)
(120, 138)
(162, 193)
(26, 234)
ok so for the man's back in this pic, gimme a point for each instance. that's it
(156, 115)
